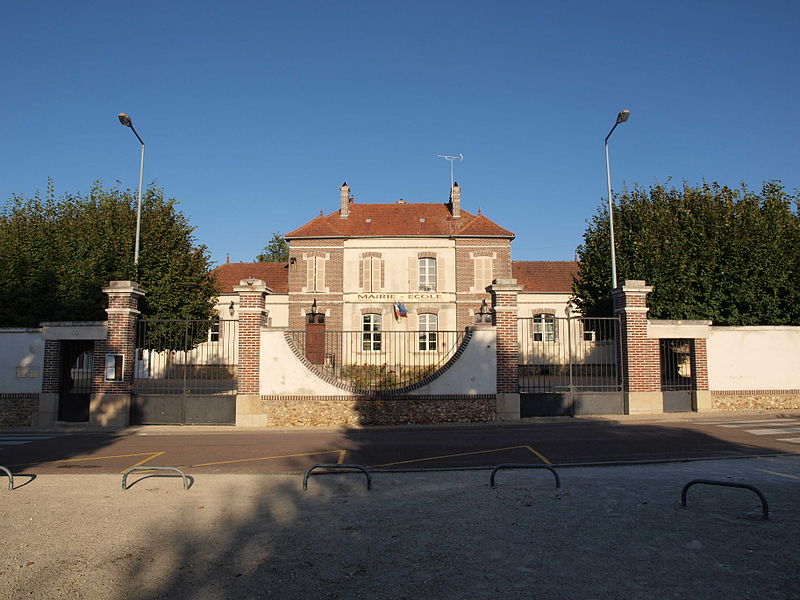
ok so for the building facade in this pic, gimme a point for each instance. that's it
(397, 267)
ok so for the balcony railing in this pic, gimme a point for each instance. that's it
(376, 360)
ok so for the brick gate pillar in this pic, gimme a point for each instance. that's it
(639, 355)
(252, 314)
(504, 304)
(701, 399)
(51, 384)
(114, 357)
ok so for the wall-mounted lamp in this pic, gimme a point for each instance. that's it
(314, 316)
(293, 260)
(231, 309)
(484, 314)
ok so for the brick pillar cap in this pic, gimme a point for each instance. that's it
(123, 287)
(634, 285)
(252, 285)
(505, 285)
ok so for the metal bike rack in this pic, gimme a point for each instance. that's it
(338, 467)
(764, 505)
(146, 468)
(7, 471)
(523, 466)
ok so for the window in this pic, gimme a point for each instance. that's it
(428, 326)
(483, 272)
(371, 273)
(213, 333)
(427, 274)
(315, 271)
(371, 333)
(544, 328)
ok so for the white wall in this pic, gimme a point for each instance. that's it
(282, 373)
(21, 361)
(754, 358)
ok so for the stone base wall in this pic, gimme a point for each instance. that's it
(372, 410)
(18, 410)
(756, 400)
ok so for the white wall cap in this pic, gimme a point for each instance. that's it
(678, 329)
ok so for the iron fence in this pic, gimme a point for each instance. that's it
(376, 360)
(186, 357)
(560, 354)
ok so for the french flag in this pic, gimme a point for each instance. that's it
(400, 310)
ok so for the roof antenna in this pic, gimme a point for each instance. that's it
(452, 159)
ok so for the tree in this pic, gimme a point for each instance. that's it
(57, 253)
(276, 250)
(711, 253)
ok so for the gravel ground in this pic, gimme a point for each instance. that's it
(609, 532)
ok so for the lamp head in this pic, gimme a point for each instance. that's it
(125, 120)
(623, 116)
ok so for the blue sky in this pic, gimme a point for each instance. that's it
(255, 112)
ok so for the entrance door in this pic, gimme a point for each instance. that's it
(75, 381)
(315, 338)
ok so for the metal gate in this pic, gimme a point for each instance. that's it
(185, 372)
(569, 365)
(677, 378)
(75, 381)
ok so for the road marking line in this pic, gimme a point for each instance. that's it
(779, 474)
(541, 456)
(243, 460)
(774, 431)
(141, 462)
(342, 454)
(405, 462)
(66, 460)
(765, 423)
(790, 440)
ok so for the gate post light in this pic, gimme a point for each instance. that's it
(127, 122)
(621, 118)
(484, 314)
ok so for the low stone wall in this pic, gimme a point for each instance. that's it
(756, 400)
(18, 410)
(377, 410)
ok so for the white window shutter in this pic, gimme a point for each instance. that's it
(441, 284)
(320, 279)
(310, 273)
(413, 274)
(375, 274)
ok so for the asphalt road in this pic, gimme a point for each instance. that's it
(556, 441)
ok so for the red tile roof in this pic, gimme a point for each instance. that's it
(275, 275)
(544, 275)
(400, 220)
(535, 275)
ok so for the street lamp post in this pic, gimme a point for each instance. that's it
(127, 122)
(621, 118)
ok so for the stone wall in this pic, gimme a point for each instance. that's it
(371, 410)
(18, 410)
(756, 400)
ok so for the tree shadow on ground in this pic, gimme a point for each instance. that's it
(612, 532)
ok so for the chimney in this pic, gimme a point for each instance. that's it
(455, 201)
(344, 212)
